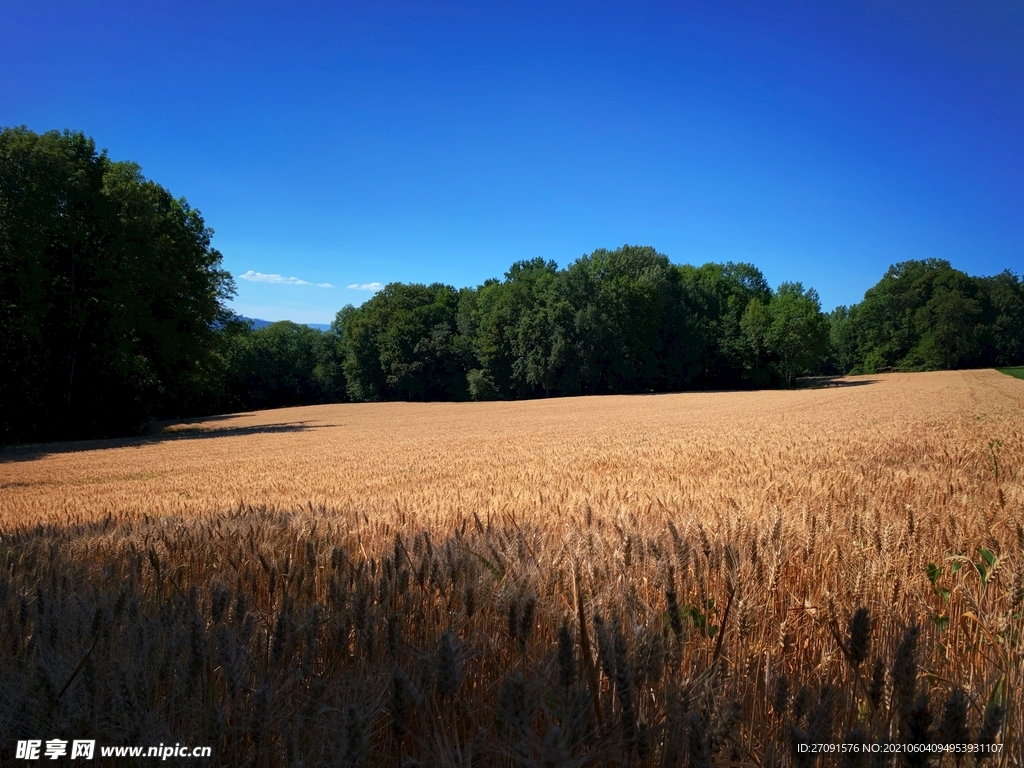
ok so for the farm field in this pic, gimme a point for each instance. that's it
(1017, 372)
(687, 579)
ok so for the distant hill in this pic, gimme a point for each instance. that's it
(257, 324)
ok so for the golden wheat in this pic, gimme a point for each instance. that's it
(651, 580)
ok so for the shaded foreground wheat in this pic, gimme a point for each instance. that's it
(876, 601)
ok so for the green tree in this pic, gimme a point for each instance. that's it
(842, 340)
(753, 343)
(924, 315)
(1003, 334)
(515, 331)
(623, 324)
(796, 333)
(717, 296)
(111, 293)
(404, 343)
(948, 326)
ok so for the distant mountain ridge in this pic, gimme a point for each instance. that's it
(257, 324)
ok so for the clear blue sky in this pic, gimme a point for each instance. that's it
(356, 143)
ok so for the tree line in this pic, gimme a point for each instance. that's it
(113, 312)
(629, 320)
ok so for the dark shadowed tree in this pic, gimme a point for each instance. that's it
(1003, 334)
(948, 327)
(624, 324)
(280, 365)
(111, 293)
(754, 344)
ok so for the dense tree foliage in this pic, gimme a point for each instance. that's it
(925, 315)
(719, 296)
(617, 321)
(109, 292)
(112, 312)
(626, 326)
(280, 365)
(630, 321)
(404, 344)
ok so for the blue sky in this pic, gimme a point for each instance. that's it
(354, 144)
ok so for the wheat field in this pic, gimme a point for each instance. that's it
(691, 579)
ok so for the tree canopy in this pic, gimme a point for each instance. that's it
(613, 321)
(110, 292)
(926, 315)
(112, 312)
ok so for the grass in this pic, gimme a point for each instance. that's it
(698, 579)
(1017, 373)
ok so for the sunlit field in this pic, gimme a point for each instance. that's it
(699, 579)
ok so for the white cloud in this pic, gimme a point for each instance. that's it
(365, 287)
(260, 277)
